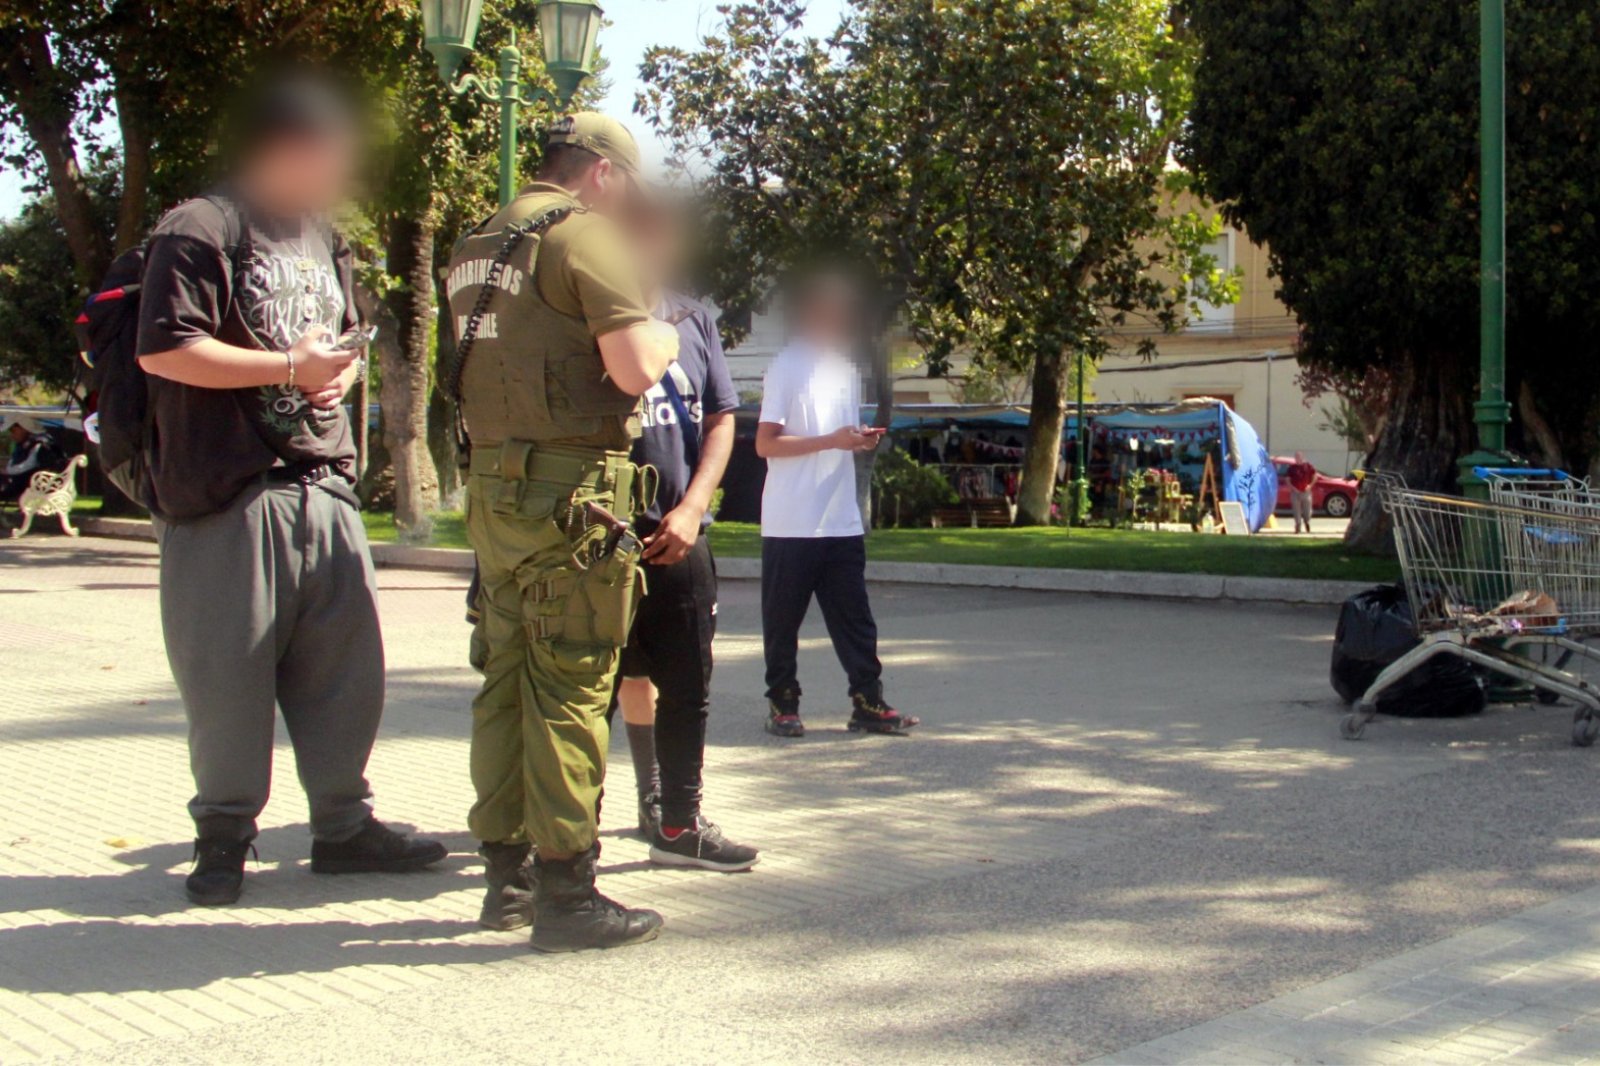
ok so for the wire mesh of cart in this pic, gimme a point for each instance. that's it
(1548, 490)
(1489, 582)
(1539, 489)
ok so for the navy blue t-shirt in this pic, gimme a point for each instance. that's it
(704, 385)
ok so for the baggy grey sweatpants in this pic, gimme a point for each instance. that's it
(272, 603)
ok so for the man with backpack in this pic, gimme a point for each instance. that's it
(267, 592)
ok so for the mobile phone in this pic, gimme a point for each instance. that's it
(875, 431)
(356, 338)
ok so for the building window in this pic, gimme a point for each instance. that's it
(1217, 316)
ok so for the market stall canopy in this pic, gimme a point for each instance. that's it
(1248, 474)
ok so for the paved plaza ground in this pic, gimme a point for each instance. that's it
(1128, 829)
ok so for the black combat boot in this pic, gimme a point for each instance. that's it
(509, 870)
(572, 914)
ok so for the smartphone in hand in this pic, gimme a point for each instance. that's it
(356, 339)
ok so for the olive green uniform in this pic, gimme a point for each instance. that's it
(549, 433)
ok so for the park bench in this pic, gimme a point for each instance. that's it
(975, 514)
(50, 493)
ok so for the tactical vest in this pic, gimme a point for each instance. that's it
(534, 374)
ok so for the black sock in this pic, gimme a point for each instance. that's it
(642, 745)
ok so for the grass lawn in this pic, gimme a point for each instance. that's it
(1077, 549)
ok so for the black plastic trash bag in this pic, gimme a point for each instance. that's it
(1375, 629)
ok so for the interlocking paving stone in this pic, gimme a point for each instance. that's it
(1115, 826)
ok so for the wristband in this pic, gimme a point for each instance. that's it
(289, 355)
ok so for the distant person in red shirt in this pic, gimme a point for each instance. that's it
(1302, 475)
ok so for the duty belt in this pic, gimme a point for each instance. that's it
(518, 462)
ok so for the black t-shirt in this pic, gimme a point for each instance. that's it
(705, 387)
(293, 274)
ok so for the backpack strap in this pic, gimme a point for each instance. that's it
(236, 231)
(686, 426)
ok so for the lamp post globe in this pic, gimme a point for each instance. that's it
(569, 31)
(449, 28)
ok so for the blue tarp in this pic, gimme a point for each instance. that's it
(1249, 475)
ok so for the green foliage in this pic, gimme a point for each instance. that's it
(1002, 165)
(39, 295)
(1344, 134)
(1072, 502)
(997, 161)
(908, 492)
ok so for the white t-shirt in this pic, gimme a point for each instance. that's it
(811, 393)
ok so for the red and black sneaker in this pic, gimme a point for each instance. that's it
(783, 715)
(872, 715)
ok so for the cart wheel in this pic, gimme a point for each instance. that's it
(1353, 725)
(1585, 727)
(1549, 699)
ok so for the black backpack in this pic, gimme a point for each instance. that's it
(117, 390)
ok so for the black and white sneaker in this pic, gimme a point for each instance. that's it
(703, 846)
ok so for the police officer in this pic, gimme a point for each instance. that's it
(557, 344)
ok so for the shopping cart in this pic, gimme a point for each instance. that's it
(1489, 581)
(1551, 491)
(1539, 489)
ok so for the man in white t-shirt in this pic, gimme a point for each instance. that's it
(812, 540)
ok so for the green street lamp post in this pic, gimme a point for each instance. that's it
(1078, 512)
(568, 31)
(1492, 413)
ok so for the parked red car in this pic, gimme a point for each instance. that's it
(1332, 496)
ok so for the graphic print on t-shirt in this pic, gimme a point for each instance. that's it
(658, 409)
(281, 297)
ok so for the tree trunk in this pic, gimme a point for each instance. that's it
(403, 395)
(135, 169)
(31, 84)
(1537, 436)
(442, 410)
(1428, 428)
(1046, 417)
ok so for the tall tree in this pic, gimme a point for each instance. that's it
(119, 84)
(145, 81)
(1344, 135)
(38, 297)
(1001, 165)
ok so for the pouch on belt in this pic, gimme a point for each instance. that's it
(591, 596)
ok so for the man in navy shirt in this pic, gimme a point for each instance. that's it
(665, 685)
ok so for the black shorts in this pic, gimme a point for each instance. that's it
(670, 642)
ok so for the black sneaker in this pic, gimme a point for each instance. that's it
(703, 846)
(783, 714)
(218, 874)
(376, 849)
(872, 715)
(649, 816)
